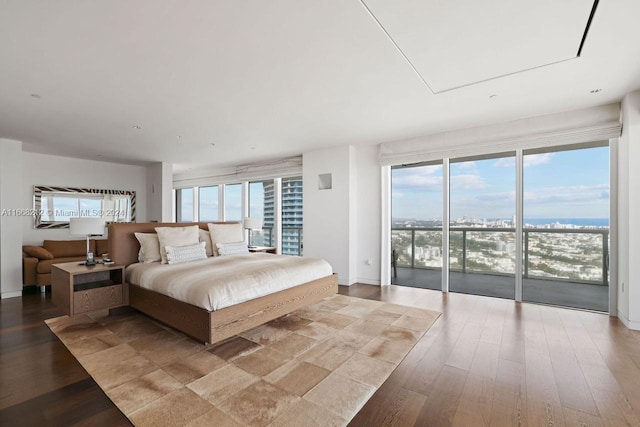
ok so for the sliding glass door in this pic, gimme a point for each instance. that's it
(562, 246)
(416, 230)
(566, 226)
(482, 244)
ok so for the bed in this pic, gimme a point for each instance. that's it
(212, 324)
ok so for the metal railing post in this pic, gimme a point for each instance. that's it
(464, 251)
(413, 248)
(526, 254)
(605, 258)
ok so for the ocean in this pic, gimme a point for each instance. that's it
(596, 222)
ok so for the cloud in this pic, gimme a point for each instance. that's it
(417, 181)
(467, 182)
(396, 195)
(568, 196)
(529, 160)
(537, 159)
(498, 197)
(505, 163)
(466, 165)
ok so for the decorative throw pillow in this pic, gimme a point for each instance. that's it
(149, 247)
(37, 252)
(176, 236)
(180, 254)
(206, 238)
(232, 248)
(225, 233)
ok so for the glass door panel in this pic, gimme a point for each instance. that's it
(416, 226)
(482, 225)
(184, 205)
(233, 202)
(208, 199)
(261, 205)
(566, 226)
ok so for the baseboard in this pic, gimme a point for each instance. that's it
(12, 294)
(628, 323)
(364, 281)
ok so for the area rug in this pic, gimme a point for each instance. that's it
(316, 366)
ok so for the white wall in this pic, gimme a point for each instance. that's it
(10, 222)
(629, 212)
(342, 225)
(41, 169)
(159, 194)
(329, 224)
(367, 261)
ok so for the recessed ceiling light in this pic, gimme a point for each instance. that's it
(253, 148)
(137, 127)
(596, 90)
(213, 144)
(35, 95)
(179, 136)
(492, 96)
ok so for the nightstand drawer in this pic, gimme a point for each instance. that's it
(97, 298)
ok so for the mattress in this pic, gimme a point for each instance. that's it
(223, 281)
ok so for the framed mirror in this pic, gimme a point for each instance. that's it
(53, 206)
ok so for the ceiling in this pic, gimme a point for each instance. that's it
(221, 83)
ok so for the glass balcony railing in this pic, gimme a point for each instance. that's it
(576, 255)
(291, 239)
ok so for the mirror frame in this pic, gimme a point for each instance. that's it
(37, 203)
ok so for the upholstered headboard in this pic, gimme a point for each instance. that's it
(123, 245)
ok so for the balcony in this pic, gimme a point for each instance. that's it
(567, 267)
(291, 239)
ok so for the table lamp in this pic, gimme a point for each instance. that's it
(87, 227)
(252, 224)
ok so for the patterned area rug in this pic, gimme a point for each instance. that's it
(316, 366)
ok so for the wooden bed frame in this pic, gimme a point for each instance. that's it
(201, 324)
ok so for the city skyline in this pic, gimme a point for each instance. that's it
(563, 184)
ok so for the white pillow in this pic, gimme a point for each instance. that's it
(180, 254)
(206, 238)
(225, 233)
(232, 248)
(149, 247)
(176, 236)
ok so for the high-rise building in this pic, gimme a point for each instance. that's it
(291, 215)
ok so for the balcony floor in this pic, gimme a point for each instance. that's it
(565, 294)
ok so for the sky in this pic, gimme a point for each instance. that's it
(565, 184)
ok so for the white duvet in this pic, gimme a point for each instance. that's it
(223, 281)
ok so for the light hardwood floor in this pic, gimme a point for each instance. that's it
(484, 362)
(493, 362)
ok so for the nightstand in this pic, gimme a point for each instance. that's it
(266, 249)
(77, 288)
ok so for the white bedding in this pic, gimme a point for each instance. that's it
(223, 281)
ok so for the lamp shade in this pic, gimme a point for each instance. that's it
(252, 223)
(86, 226)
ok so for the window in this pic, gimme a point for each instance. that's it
(233, 202)
(184, 205)
(208, 203)
(256, 199)
(262, 205)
